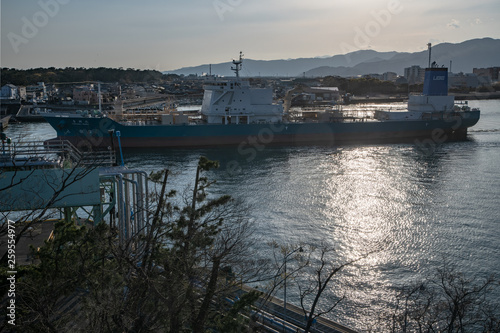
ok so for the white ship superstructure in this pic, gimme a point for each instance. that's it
(233, 101)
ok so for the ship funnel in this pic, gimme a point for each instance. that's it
(436, 81)
(436, 78)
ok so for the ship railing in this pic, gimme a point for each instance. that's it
(55, 151)
(336, 113)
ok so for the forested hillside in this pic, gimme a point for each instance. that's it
(21, 77)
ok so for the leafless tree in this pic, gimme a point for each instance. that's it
(447, 301)
(320, 274)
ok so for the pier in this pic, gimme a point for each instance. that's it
(85, 186)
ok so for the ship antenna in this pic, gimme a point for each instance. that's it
(237, 65)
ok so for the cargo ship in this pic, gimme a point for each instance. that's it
(235, 114)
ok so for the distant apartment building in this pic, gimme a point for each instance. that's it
(461, 80)
(390, 76)
(22, 92)
(9, 91)
(115, 90)
(312, 95)
(85, 95)
(414, 74)
(12, 92)
(492, 73)
(36, 93)
(323, 93)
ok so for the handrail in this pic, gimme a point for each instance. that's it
(31, 150)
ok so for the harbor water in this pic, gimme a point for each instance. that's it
(428, 202)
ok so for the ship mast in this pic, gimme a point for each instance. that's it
(237, 65)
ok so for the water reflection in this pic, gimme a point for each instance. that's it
(423, 207)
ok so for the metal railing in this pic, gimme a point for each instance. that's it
(57, 152)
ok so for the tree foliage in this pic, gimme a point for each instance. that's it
(367, 86)
(25, 77)
(178, 275)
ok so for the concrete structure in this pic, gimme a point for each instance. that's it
(390, 76)
(462, 80)
(85, 95)
(22, 92)
(322, 93)
(493, 73)
(9, 91)
(414, 74)
(37, 93)
(33, 176)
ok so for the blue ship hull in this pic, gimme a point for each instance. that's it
(94, 132)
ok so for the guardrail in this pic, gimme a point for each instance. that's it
(54, 152)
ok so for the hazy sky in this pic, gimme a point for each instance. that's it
(169, 34)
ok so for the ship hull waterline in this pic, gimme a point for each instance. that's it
(94, 132)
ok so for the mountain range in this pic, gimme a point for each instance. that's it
(474, 53)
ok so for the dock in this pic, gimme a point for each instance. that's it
(26, 113)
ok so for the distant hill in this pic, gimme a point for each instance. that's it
(464, 56)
